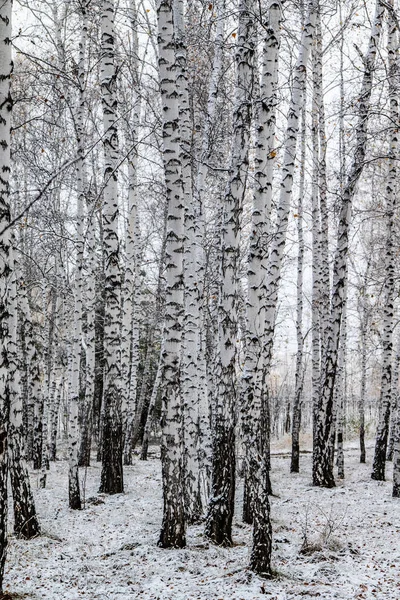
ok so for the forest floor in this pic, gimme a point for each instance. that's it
(108, 550)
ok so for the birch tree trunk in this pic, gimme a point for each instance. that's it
(320, 234)
(198, 226)
(192, 323)
(221, 507)
(5, 267)
(73, 431)
(112, 439)
(260, 559)
(322, 459)
(364, 325)
(89, 291)
(378, 469)
(396, 457)
(340, 390)
(130, 290)
(299, 375)
(152, 404)
(26, 524)
(173, 526)
(254, 399)
(277, 250)
(395, 402)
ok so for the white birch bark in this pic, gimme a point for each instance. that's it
(131, 287)
(221, 506)
(26, 524)
(340, 390)
(254, 400)
(322, 459)
(288, 164)
(394, 402)
(73, 431)
(152, 404)
(378, 468)
(89, 291)
(5, 268)
(396, 457)
(299, 374)
(363, 382)
(44, 413)
(173, 526)
(204, 434)
(112, 470)
(192, 324)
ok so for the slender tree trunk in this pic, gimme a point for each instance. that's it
(112, 438)
(299, 375)
(378, 469)
(260, 559)
(340, 391)
(396, 457)
(254, 397)
(45, 409)
(221, 506)
(192, 323)
(150, 414)
(60, 382)
(364, 324)
(5, 269)
(204, 434)
(322, 459)
(26, 524)
(395, 402)
(173, 532)
(90, 284)
(130, 290)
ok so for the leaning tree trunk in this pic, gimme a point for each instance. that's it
(378, 469)
(112, 470)
(221, 507)
(173, 532)
(322, 458)
(5, 270)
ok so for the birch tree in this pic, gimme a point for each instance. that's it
(112, 443)
(26, 523)
(5, 266)
(221, 505)
(173, 532)
(130, 290)
(299, 375)
(378, 469)
(322, 457)
(192, 324)
(85, 199)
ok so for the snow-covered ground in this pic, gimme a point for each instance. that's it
(108, 551)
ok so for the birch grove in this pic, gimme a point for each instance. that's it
(199, 229)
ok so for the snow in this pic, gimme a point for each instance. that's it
(109, 549)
